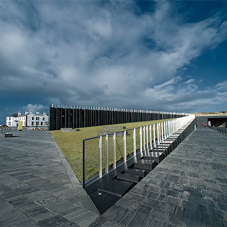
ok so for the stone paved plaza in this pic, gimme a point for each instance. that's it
(37, 186)
(188, 188)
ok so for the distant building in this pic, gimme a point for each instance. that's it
(29, 119)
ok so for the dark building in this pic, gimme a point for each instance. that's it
(78, 117)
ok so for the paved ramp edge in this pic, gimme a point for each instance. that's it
(81, 193)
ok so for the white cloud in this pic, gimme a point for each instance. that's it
(34, 108)
(222, 86)
(104, 54)
(189, 81)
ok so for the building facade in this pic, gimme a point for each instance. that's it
(28, 119)
(76, 117)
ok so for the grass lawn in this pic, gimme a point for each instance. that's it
(71, 145)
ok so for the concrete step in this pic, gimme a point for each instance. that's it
(171, 145)
(156, 156)
(174, 142)
(161, 149)
(116, 187)
(138, 172)
(145, 164)
(165, 147)
(173, 137)
(129, 177)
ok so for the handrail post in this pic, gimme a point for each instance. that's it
(141, 142)
(158, 133)
(125, 152)
(162, 132)
(170, 128)
(147, 138)
(167, 122)
(150, 137)
(106, 155)
(165, 131)
(154, 137)
(114, 151)
(144, 138)
(83, 163)
(134, 141)
(172, 123)
(100, 156)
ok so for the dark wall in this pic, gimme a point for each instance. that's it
(217, 121)
(201, 121)
(78, 118)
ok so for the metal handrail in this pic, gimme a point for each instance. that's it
(222, 130)
(163, 130)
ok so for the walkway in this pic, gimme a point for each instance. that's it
(188, 188)
(37, 186)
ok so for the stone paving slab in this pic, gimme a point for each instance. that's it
(188, 188)
(37, 185)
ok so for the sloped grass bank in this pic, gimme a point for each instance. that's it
(71, 145)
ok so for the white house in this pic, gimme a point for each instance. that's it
(12, 120)
(37, 119)
(28, 119)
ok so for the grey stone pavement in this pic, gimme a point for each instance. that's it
(188, 188)
(37, 186)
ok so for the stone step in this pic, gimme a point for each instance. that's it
(138, 172)
(156, 156)
(145, 164)
(174, 142)
(116, 187)
(161, 149)
(165, 147)
(129, 177)
(171, 145)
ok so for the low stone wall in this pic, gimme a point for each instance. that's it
(5, 135)
(70, 129)
(45, 128)
(10, 129)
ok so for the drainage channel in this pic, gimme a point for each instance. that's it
(107, 190)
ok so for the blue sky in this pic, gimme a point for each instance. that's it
(150, 55)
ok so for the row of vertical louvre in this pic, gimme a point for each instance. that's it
(78, 118)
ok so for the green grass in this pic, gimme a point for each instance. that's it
(222, 113)
(71, 145)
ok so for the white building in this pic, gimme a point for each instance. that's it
(29, 119)
(37, 119)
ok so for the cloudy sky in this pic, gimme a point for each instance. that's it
(151, 55)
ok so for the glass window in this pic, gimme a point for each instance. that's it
(32, 118)
(32, 122)
(37, 118)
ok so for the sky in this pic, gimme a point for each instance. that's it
(148, 55)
